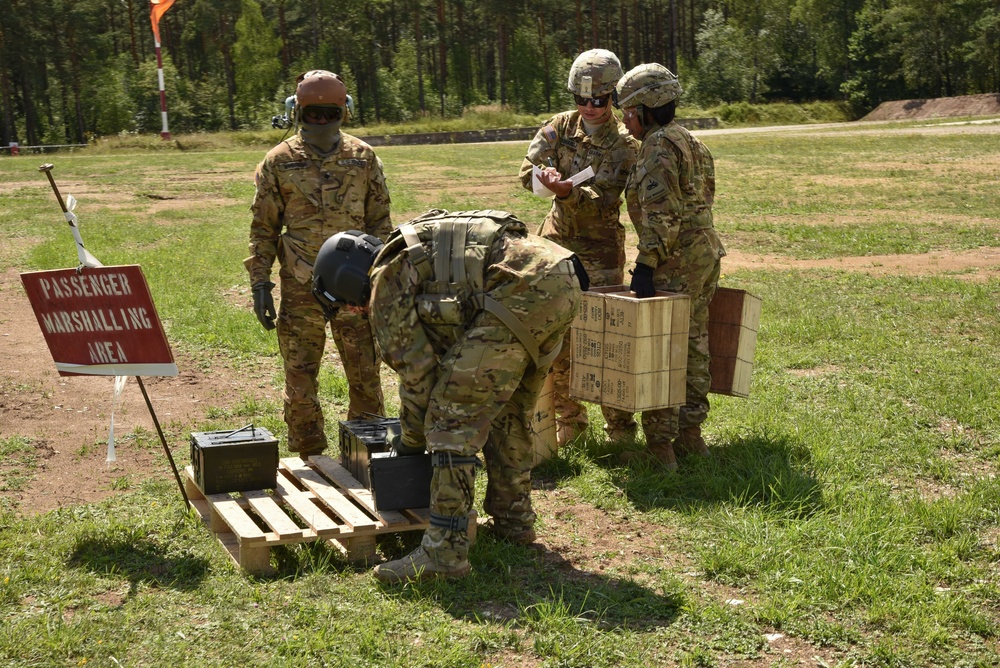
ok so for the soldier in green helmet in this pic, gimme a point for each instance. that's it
(670, 195)
(585, 218)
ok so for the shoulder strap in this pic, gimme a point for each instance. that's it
(517, 327)
(416, 251)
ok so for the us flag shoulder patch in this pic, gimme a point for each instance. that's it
(549, 132)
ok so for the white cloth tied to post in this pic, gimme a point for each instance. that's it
(86, 259)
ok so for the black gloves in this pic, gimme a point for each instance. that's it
(263, 304)
(642, 281)
(581, 273)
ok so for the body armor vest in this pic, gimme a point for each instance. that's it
(452, 287)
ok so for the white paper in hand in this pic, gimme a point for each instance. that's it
(536, 184)
(580, 177)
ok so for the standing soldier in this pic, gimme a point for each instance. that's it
(585, 218)
(670, 195)
(470, 310)
(318, 182)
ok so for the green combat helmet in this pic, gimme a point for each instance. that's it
(594, 73)
(651, 85)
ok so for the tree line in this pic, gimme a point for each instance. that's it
(74, 69)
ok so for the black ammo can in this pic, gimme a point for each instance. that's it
(359, 440)
(395, 482)
(400, 482)
(234, 460)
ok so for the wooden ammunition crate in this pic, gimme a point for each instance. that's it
(733, 321)
(543, 425)
(630, 353)
(313, 500)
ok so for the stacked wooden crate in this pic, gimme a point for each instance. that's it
(630, 353)
(733, 321)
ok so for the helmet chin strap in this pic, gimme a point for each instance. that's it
(640, 116)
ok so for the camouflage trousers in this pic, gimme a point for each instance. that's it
(301, 340)
(569, 411)
(695, 273)
(483, 399)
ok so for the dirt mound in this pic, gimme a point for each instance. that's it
(941, 107)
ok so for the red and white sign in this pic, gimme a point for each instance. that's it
(100, 322)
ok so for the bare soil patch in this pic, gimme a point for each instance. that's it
(980, 264)
(942, 107)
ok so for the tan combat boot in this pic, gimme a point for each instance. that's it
(567, 432)
(662, 454)
(444, 548)
(621, 435)
(516, 534)
(665, 455)
(418, 566)
(691, 442)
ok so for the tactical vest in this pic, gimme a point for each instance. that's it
(452, 289)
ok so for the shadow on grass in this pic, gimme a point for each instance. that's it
(536, 587)
(761, 470)
(118, 552)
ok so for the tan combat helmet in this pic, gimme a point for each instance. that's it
(594, 73)
(319, 87)
(651, 85)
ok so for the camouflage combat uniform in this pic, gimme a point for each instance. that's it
(670, 195)
(302, 199)
(587, 223)
(468, 381)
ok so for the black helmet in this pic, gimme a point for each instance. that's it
(340, 275)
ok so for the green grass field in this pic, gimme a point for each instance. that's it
(851, 506)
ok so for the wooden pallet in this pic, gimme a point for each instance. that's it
(314, 500)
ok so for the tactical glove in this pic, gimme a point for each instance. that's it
(642, 281)
(394, 439)
(581, 273)
(263, 304)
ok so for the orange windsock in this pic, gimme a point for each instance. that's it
(157, 9)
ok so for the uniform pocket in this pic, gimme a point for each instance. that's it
(440, 309)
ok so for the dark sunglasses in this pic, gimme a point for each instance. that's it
(315, 114)
(596, 102)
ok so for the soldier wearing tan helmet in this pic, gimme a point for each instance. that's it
(670, 195)
(314, 184)
(585, 218)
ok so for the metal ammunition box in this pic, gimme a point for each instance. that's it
(234, 460)
(359, 440)
(400, 482)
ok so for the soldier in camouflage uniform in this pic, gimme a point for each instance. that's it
(312, 185)
(585, 218)
(470, 310)
(670, 195)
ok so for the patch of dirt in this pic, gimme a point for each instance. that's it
(586, 540)
(980, 264)
(942, 107)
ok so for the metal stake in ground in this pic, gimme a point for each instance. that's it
(170, 458)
